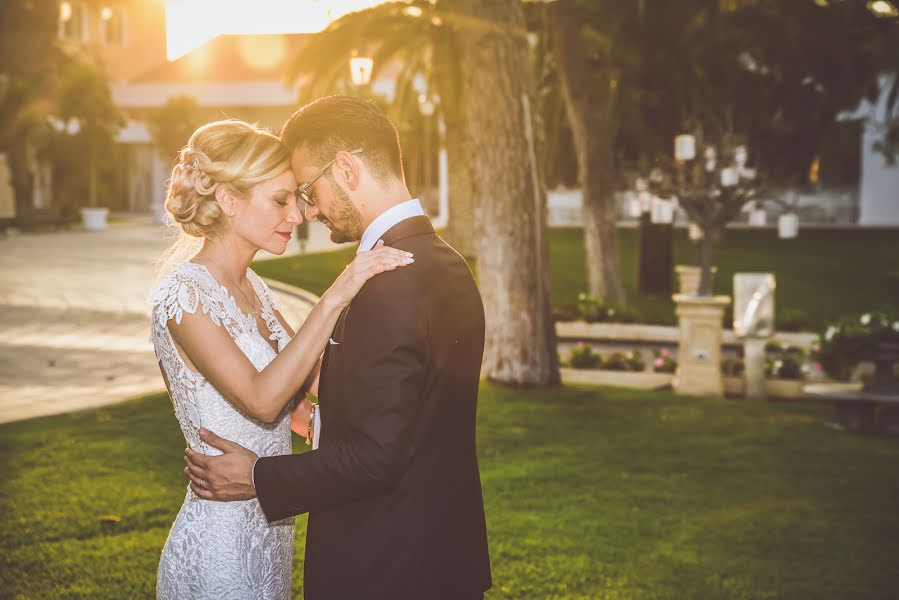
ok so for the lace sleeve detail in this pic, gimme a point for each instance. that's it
(271, 303)
(184, 291)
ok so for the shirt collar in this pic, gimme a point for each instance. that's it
(386, 220)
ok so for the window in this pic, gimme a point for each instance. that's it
(73, 21)
(112, 25)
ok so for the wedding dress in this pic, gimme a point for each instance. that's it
(220, 549)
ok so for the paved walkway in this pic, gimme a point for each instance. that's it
(74, 323)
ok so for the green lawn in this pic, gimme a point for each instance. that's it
(823, 274)
(590, 493)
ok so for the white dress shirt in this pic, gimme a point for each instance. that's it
(386, 220)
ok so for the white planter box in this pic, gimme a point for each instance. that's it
(638, 332)
(788, 225)
(784, 388)
(94, 219)
(643, 380)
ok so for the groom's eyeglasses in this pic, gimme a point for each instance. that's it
(302, 192)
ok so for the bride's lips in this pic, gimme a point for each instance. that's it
(284, 234)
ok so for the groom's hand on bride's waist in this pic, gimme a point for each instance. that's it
(224, 478)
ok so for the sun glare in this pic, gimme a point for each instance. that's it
(190, 23)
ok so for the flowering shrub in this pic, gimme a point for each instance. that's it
(852, 339)
(583, 357)
(663, 361)
(784, 362)
(621, 361)
(595, 310)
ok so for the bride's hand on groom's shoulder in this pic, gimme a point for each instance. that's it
(224, 478)
(366, 265)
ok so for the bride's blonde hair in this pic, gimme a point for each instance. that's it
(228, 153)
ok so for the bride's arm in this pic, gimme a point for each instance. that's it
(263, 394)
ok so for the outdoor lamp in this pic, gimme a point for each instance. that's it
(360, 69)
(685, 147)
(729, 177)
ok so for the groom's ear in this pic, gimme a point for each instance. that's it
(347, 170)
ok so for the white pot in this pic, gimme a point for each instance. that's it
(94, 219)
(788, 225)
(758, 218)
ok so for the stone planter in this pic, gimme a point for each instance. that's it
(788, 225)
(643, 380)
(688, 278)
(734, 386)
(784, 388)
(699, 344)
(94, 219)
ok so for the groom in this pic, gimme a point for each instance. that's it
(393, 492)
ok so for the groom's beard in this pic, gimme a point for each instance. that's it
(347, 227)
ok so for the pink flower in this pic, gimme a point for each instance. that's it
(580, 345)
(665, 352)
(659, 363)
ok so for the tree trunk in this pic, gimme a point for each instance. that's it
(587, 107)
(461, 225)
(497, 91)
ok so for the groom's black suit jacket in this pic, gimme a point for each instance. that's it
(393, 492)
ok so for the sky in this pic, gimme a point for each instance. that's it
(190, 23)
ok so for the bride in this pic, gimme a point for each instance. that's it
(230, 361)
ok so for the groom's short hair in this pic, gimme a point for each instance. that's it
(328, 125)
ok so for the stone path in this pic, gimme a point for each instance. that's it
(74, 320)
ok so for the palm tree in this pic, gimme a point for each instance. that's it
(421, 36)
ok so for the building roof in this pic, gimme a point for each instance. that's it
(230, 58)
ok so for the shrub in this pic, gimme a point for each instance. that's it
(596, 310)
(732, 367)
(663, 362)
(583, 357)
(616, 362)
(852, 339)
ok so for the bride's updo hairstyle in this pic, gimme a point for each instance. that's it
(229, 153)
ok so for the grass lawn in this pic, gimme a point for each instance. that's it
(590, 493)
(824, 274)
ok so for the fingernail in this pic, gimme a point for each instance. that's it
(409, 254)
(410, 261)
(204, 431)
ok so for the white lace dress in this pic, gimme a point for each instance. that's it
(220, 550)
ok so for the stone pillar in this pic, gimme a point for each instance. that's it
(754, 359)
(699, 347)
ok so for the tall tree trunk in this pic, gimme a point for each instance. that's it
(461, 226)
(513, 271)
(588, 115)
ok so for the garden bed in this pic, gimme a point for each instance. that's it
(643, 380)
